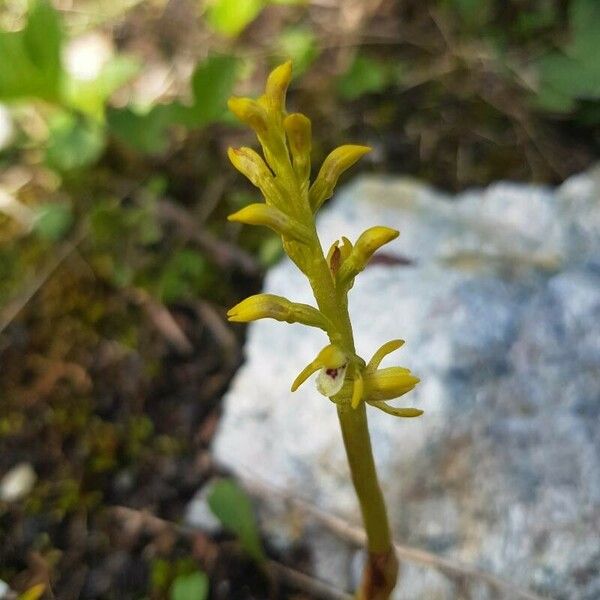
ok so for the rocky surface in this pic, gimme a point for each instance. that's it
(497, 293)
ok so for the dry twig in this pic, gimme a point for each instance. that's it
(137, 521)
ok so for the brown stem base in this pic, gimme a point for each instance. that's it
(379, 578)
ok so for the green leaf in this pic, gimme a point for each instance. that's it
(564, 79)
(473, 13)
(574, 73)
(30, 59)
(364, 76)
(230, 504)
(53, 220)
(300, 45)
(90, 97)
(146, 132)
(231, 17)
(74, 142)
(584, 20)
(190, 587)
(554, 100)
(212, 84)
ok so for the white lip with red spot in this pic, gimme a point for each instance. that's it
(330, 380)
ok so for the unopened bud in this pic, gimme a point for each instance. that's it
(275, 219)
(298, 129)
(249, 163)
(334, 165)
(251, 113)
(338, 253)
(277, 85)
(366, 245)
(270, 306)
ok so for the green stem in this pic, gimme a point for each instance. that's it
(357, 442)
(382, 567)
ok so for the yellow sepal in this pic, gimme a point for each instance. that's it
(389, 383)
(382, 352)
(397, 412)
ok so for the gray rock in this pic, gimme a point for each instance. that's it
(500, 307)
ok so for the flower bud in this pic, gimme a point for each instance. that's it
(338, 254)
(334, 165)
(298, 129)
(270, 306)
(249, 163)
(251, 113)
(277, 85)
(366, 245)
(275, 219)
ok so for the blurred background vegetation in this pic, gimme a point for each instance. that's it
(117, 264)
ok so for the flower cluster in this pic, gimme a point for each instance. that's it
(291, 201)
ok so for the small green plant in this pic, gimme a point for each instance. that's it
(230, 504)
(344, 377)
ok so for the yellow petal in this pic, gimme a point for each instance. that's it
(334, 165)
(358, 389)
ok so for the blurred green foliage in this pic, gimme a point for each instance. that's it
(180, 578)
(231, 17)
(190, 587)
(31, 63)
(573, 72)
